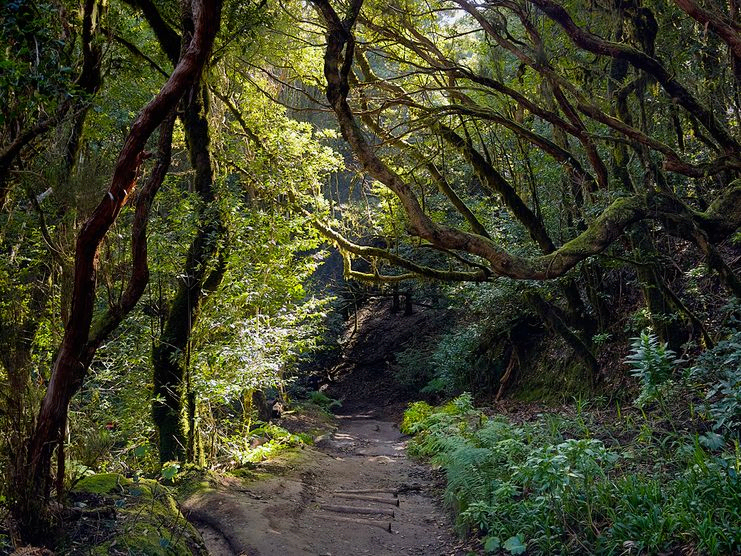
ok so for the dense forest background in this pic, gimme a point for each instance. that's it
(196, 195)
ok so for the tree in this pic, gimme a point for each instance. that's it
(80, 339)
(566, 154)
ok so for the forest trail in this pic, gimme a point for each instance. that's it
(309, 509)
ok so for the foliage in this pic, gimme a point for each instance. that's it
(415, 417)
(263, 442)
(719, 370)
(468, 352)
(654, 365)
(137, 516)
(322, 400)
(452, 363)
(35, 66)
(539, 491)
(462, 124)
(448, 369)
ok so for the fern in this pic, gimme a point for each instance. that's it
(468, 479)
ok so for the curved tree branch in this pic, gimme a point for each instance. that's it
(481, 275)
(69, 370)
(599, 235)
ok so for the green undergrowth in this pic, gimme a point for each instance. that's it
(265, 442)
(113, 514)
(581, 484)
(298, 428)
(118, 515)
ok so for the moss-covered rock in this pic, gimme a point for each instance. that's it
(129, 516)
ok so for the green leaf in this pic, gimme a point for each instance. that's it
(492, 544)
(514, 545)
(169, 471)
(712, 440)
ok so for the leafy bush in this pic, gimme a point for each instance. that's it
(415, 417)
(262, 443)
(653, 364)
(322, 400)
(413, 369)
(527, 488)
(720, 369)
(451, 362)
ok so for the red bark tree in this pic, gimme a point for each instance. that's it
(76, 351)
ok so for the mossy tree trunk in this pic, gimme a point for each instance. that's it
(30, 508)
(554, 319)
(204, 269)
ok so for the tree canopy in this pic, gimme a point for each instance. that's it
(173, 173)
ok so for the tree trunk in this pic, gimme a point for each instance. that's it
(664, 319)
(555, 322)
(72, 360)
(204, 269)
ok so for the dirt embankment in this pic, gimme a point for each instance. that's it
(365, 375)
(338, 498)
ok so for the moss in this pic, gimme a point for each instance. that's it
(104, 483)
(147, 519)
(553, 376)
(244, 473)
(190, 485)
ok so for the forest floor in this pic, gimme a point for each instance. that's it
(309, 504)
(306, 504)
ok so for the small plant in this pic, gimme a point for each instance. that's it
(170, 471)
(601, 339)
(415, 417)
(653, 364)
(322, 400)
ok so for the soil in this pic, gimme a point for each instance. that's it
(310, 510)
(364, 377)
(306, 506)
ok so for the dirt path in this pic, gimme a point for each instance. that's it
(309, 509)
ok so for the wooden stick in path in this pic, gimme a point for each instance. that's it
(393, 491)
(385, 525)
(392, 501)
(357, 510)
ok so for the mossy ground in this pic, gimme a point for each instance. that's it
(128, 516)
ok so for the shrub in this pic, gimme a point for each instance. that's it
(720, 369)
(546, 494)
(653, 364)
